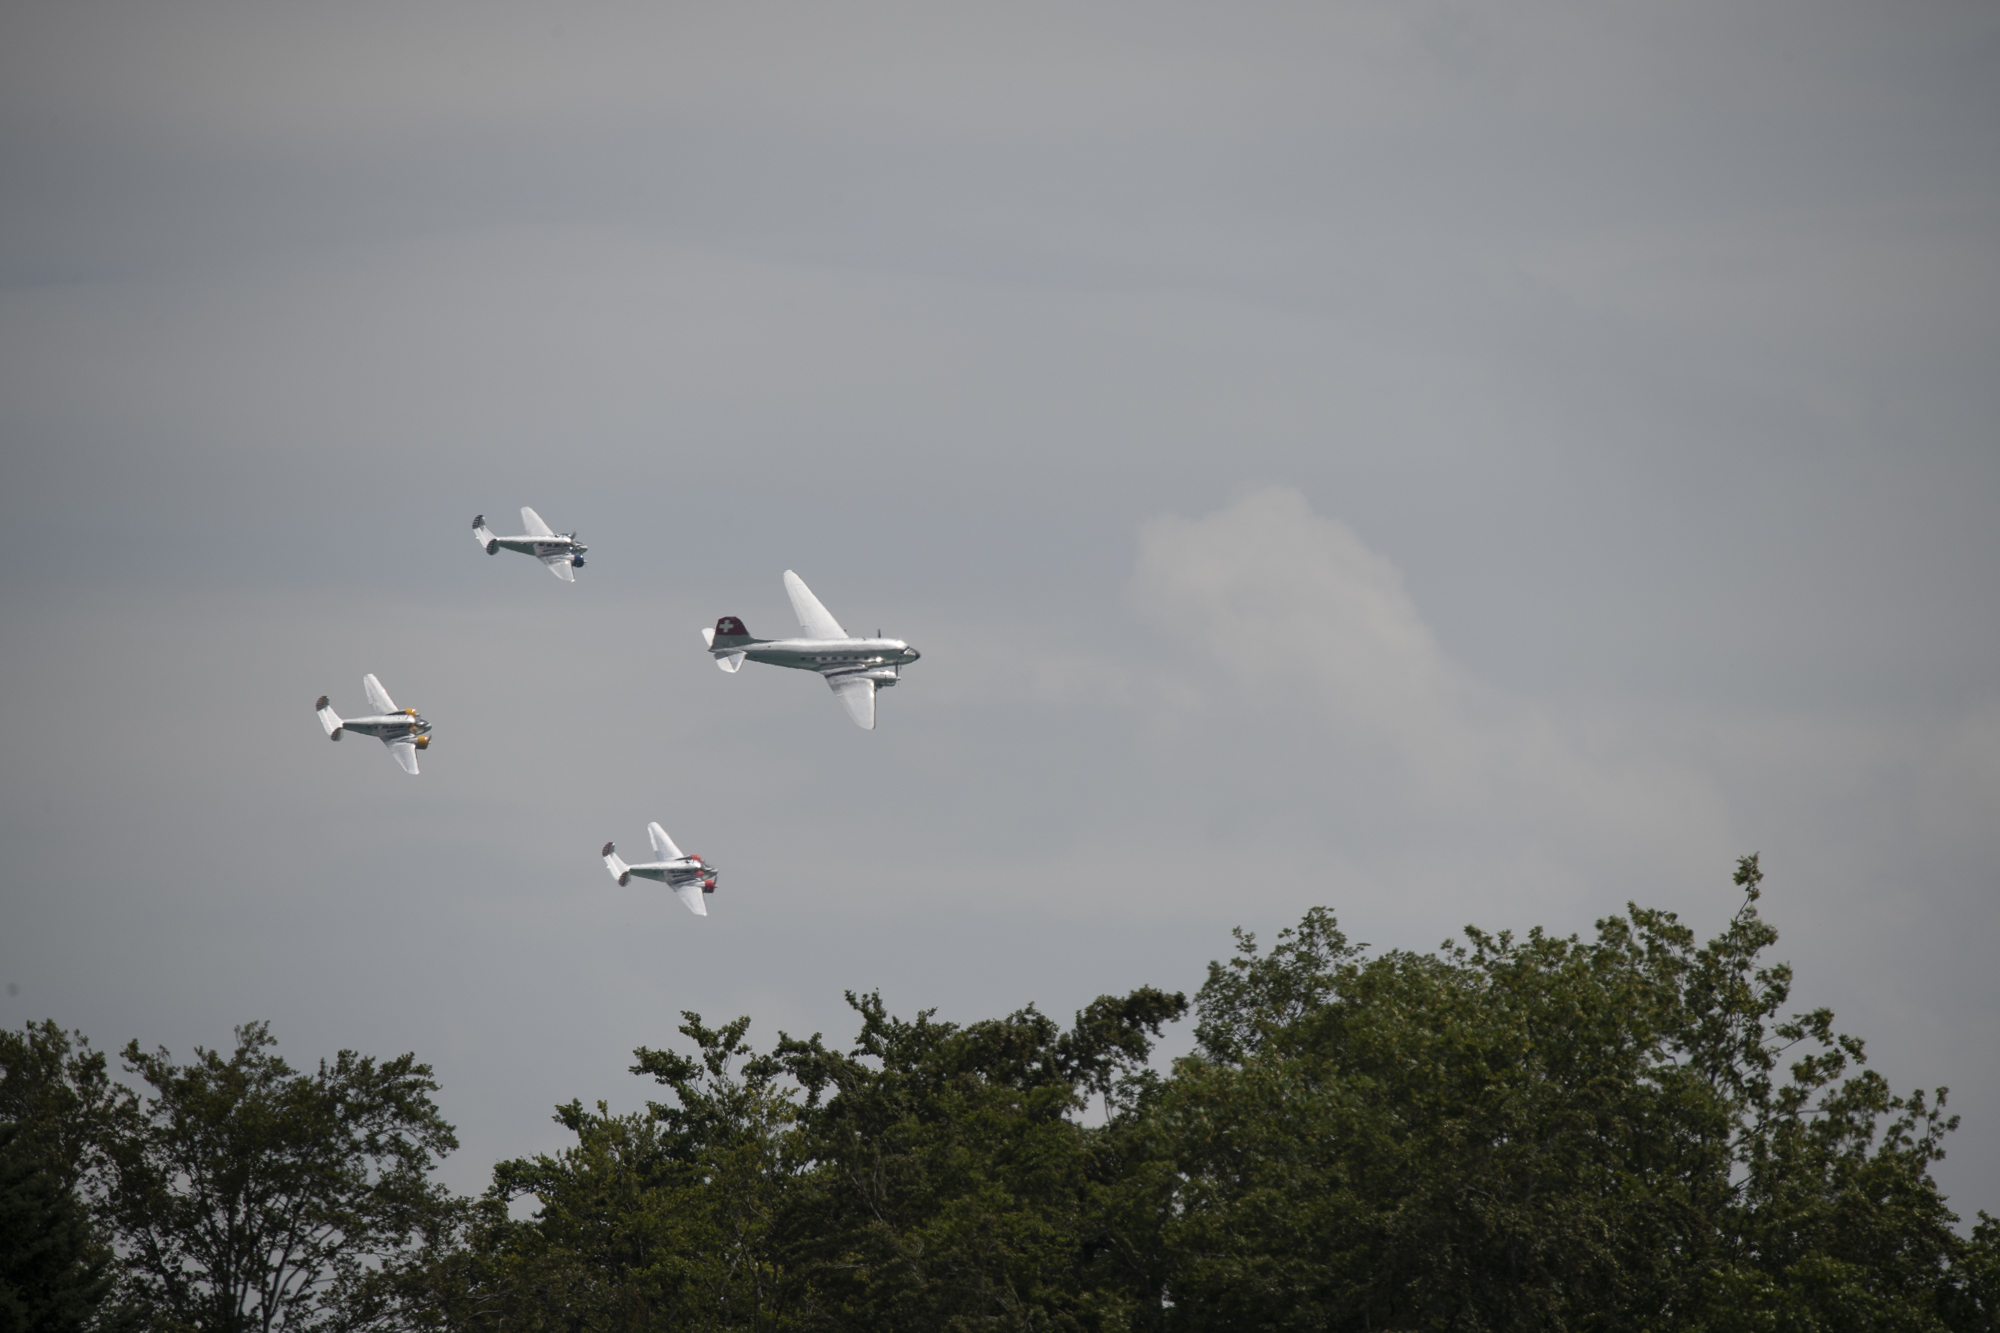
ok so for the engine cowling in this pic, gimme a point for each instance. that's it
(423, 742)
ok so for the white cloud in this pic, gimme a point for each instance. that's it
(1316, 668)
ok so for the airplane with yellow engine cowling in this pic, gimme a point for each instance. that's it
(398, 728)
(855, 668)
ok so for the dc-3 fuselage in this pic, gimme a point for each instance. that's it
(688, 876)
(561, 552)
(854, 668)
(401, 729)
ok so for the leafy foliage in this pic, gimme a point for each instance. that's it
(1629, 1131)
(246, 1195)
(1545, 1133)
(56, 1269)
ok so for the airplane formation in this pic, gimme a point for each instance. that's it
(855, 668)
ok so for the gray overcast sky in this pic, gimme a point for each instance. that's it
(1449, 462)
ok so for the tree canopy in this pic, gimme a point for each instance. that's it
(1534, 1132)
(1625, 1131)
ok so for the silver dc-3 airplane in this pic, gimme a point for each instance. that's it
(398, 728)
(855, 668)
(561, 552)
(685, 875)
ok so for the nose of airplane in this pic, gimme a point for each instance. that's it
(911, 654)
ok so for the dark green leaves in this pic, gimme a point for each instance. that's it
(246, 1195)
(1628, 1131)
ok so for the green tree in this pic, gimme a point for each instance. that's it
(61, 1095)
(952, 1186)
(1628, 1131)
(935, 1177)
(56, 1269)
(1543, 1133)
(250, 1196)
(53, 1276)
(667, 1218)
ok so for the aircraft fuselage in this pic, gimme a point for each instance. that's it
(540, 546)
(389, 726)
(829, 657)
(675, 874)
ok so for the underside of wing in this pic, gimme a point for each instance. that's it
(689, 892)
(405, 752)
(858, 693)
(814, 619)
(531, 523)
(560, 566)
(662, 843)
(378, 698)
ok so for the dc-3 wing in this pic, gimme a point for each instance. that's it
(689, 892)
(662, 843)
(559, 565)
(532, 524)
(405, 752)
(814, 619)
(858, 693)
(379, 700)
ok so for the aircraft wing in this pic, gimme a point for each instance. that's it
(532, 524)
(814, 619)
(689, 892)
(662, 843)
(405, 752)
(560, 566)
(858, 693)
(378, 698)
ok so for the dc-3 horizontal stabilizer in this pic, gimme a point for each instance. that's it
(855, 668)
(398, 728)
(561, 552)
(688, 876)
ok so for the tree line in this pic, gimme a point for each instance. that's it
(1628, 1131)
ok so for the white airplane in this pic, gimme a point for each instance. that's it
(562, 553)
(398, 728)
(855, 668)
(685, 875)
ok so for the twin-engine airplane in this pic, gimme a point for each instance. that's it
(685, 875)
(563, 554)
(398, 728)
(855, 668)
